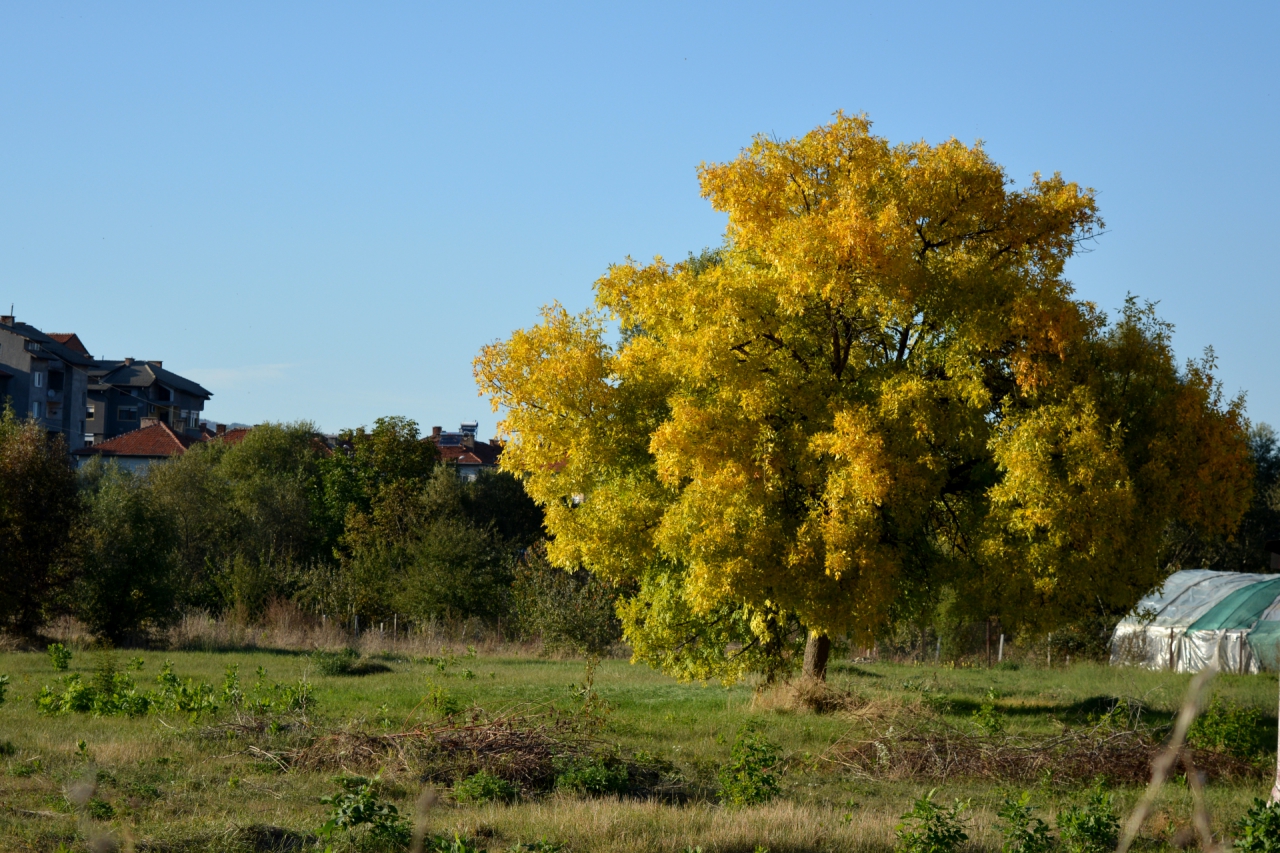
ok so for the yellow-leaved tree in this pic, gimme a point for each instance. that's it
(880, 386)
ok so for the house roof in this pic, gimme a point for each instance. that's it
(234, 436)
(477, 454)
(154, 441)
(71, 341)
(142, 374)
(49, 344)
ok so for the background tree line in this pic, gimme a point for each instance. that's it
(378, 526)
(375, 526)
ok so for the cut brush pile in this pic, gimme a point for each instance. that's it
(530, 750)
(926, 747)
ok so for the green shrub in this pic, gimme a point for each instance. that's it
(441, 701)
(188, 697)
(100, 809)
(107, 693)
(7, 749)
(931, 828)
(594, 777)
(1091, 827)
(568, 612)
(1259, 830)
(60, 655)
(1022, 832)
(989, 720)
(748, 777)
(1230, 728)
(336, 663)
(484, 787)
(357, 805)
(4, 687)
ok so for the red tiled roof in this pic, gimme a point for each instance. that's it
(154, 441)
(477, 454)
(234, 436)
(70, 340)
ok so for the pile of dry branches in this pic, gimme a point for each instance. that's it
(519, 749)
(527, 748)
(935, 750)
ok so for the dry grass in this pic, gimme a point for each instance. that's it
(622, 826)
(285, 626)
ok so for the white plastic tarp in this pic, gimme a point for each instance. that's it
(1158, 634)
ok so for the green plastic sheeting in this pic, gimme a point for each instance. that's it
(1265, 642)
(1239, 610)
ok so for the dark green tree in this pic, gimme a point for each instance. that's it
(38, 511)
(128, 586)
(365, 462)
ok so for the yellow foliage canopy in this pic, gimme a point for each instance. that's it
(879, 385)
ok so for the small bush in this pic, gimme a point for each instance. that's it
(1230, 728)
(748, 777)
(100, 809)
(60, 656)
(989, 720)
(593, 777)
(484, 787)
(1022, 832)
(1259, 830)
(1091, 827)
(336, 663)
(4, 687)
(357, 805)
(931, 828)
(7, 749)
(441, 701)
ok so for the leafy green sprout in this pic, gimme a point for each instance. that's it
(932, 828)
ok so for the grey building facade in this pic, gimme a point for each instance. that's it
(46, 378)
(122, 393)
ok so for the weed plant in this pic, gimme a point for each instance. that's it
(60, 656)
(1091, 827)
(485, 787)
(1020, 829)
(1259, 830)
(1231, 728)
(932, 828)
(356, 805)
(336, 663)
(593, 777)
(748, 779)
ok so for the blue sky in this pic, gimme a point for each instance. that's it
(323, 211)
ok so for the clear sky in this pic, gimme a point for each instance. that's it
(322, 211)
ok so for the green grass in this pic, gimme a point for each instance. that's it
(154, 782)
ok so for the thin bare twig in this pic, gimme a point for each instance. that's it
(1200, 814)
(1165, 761)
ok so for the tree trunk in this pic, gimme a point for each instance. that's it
(816, 651)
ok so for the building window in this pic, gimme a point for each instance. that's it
(88, 439)
(89, 409)
(127, 413)
(35, 410)
(38, 379)
(55, 380)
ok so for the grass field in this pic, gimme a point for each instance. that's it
(163, 781)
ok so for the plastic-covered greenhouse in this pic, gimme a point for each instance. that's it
(1201, 617)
